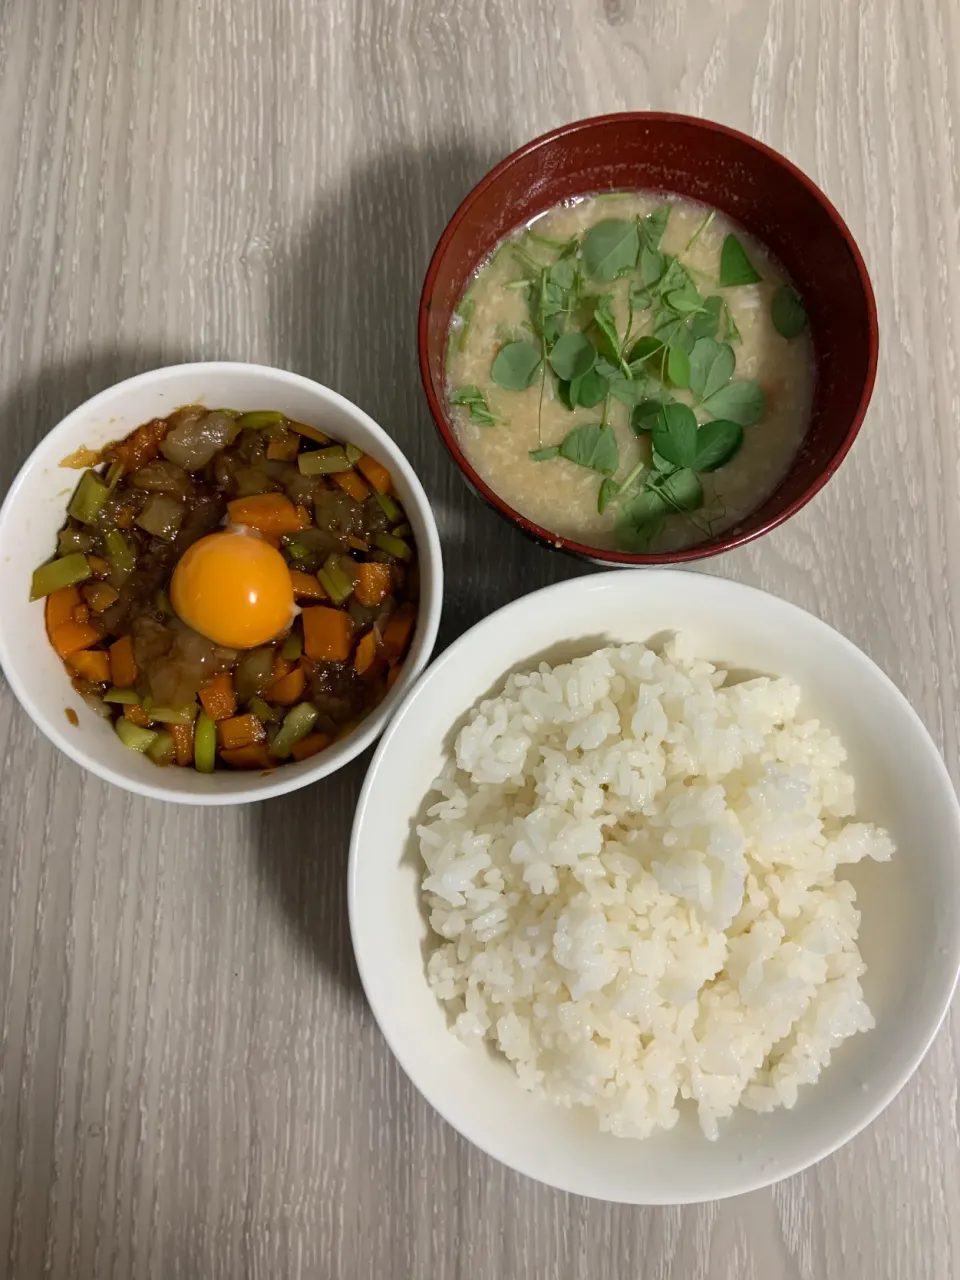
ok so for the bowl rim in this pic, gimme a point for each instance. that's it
(338, 754)
(600, 555)
(501, 618)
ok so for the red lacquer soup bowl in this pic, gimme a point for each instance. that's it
(718, 166)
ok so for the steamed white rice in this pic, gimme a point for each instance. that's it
(632, 872)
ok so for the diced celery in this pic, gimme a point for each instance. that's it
(402, 531)
(119, 553)
(296, 550)
(323, 462)
(297, 723)
(90, 495)
(390, 507)
(353, 453)
(259, 418)
(393, 546)
(292, 647)
(204, 744)
(261, 710)
(65, 572)
(127, 697)
(335, 582)
(170, 715)
(113, 474)
(162, 750)
(132, 736)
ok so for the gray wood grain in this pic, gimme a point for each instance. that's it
(190, 1082)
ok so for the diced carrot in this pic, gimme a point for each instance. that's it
(99, 595)
(306, 586)
(82, 612)
(373, 582)
(253, 756)
(393, 675)
(92, 665)
(182, 735)
(378, 475)
(327, 634)
(71, 636)
(218, 698)
(134, 712)
(124, 518)
(351, 483)
(98, 566)
(280, 667)
(287, 689)
(283, 447)
(310, 745)
(272, 514)
(240, 731)
(122, 663)
(312, 433)
(397, 633)
(366, 652)
(358, 544)
(60, 606)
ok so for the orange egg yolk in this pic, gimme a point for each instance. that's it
(234, 589)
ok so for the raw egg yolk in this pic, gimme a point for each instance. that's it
(234, 589)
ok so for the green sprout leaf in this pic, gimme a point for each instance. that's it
(741, 401)
(640, 520)
(675, 434)
(680, 490)
(588, 390)
(608, 491)
(645, 414)
(572, 356)
(787, 312)
(654, 225)
(717, 442)
(735, 267)
(678, 366)
(707, 321)
(711, 367)
(609, 338)
(593, 445)
(515, 366)
(546, 453)
(472, 398)
(610, 248)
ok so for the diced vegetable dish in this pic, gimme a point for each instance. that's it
(232, 590)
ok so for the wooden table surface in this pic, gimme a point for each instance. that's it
(191, 1084)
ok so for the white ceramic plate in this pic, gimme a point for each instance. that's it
(35, 508)
(910, 932)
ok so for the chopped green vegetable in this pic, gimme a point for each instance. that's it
(126, 697)
(472, 398)
(90, 495)
(546, 453)
(402, 531)
(161, 751)
(393, 546)
(259, 418)
(65, 572)
(261, 710)
(296, 550)
(390, 507)
(132, 736)
(324, 462)
(119, 553)
(353, 453)
(292, 647)
(114, 474)
(170, 715)
(205, 744)
(336, 583)
(297, 723)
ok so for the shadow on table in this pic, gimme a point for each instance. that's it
(37, 403)
(344, 312)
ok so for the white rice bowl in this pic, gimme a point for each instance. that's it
(631, 868)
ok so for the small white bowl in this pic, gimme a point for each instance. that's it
(35, 508)
(910, 930)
